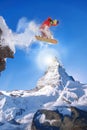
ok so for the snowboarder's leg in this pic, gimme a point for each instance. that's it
(43, 34)
(46, 33)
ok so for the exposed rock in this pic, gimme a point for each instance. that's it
(53, 120)
(2, 64)
(0, 33)
(20, 112)
(14, 122)
(5, 52)
(1, 123)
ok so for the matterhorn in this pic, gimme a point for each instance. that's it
(58, 102)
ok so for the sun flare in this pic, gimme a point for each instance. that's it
(45, 58)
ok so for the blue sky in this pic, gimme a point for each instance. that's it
(22, 72)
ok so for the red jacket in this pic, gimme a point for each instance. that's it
(49, 23)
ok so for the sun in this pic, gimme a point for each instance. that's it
(48, 60)
(45, 58)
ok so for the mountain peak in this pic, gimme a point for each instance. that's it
(54, 76)
(56, 93)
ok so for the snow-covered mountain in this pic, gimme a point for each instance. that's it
(56, 90)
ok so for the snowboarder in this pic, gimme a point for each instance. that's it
(46, 34)
(44, 28)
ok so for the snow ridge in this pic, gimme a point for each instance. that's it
(55, 90)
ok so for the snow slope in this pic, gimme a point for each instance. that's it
(55, 90)
(7, 37)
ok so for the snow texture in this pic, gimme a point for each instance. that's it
(56, 90)
(22, 38)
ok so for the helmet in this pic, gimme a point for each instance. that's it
(55, 21)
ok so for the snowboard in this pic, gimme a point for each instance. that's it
(53, 41)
